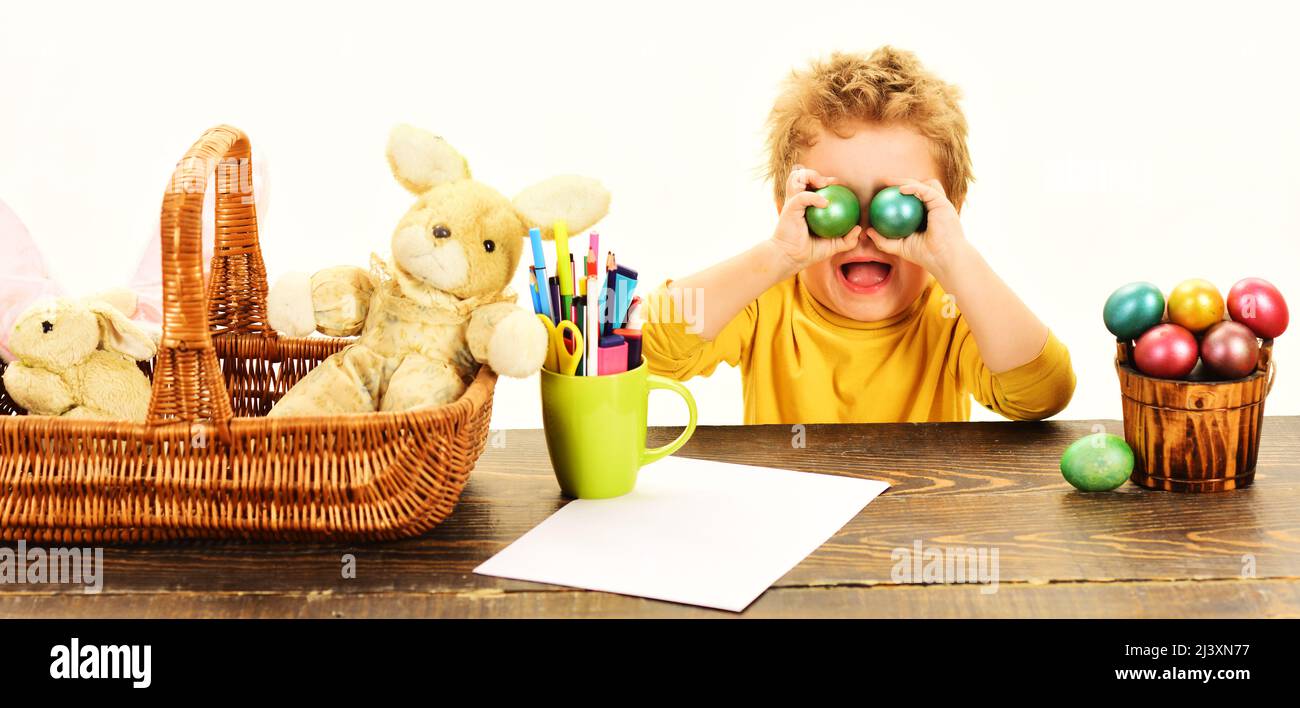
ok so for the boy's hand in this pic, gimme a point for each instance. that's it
(943, 238)
(791, 237)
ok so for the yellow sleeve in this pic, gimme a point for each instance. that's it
(1037, 389)
(672, 349)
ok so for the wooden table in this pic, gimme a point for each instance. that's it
(1129, 553)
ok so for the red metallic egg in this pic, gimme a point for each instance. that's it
(1255, 303)
(1166, 351)
(1230, 350)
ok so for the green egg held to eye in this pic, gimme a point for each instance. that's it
(838, 217)
(896, 215)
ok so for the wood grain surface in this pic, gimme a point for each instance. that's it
(1061, 553)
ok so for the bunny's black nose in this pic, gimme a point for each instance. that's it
(47, 327)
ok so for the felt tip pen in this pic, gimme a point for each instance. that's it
(539, 256)
(554, 288)
(532, 290)
(563, 263)
(634, 317)
(563, 268)
(612, 358)
(580, 319)
(539, 265)
(624, 284)
(633, 339)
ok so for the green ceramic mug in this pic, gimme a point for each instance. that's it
(595, 429)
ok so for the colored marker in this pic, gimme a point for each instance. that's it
(554, 287)
(613, 355)
(593, 251)
(633, 339)
(539, 256)
(625, 283)
(539, 265)
(532, 290)
(634, 317)
(563, 268)
(580, 319)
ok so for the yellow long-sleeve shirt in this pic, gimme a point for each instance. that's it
(802, 363)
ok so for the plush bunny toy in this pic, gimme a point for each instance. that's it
(66, 357)
(78, 359)
(429, 317)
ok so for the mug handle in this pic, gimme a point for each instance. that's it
(654, 381)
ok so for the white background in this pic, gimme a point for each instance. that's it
(1112, 142)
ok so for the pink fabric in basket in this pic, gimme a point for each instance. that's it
(24, 275)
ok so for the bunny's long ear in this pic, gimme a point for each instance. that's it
(121, 335)
(421, 160)
(24, 276)
(579, 202)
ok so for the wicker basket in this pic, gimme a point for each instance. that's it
(1193, 436)
(206, 464)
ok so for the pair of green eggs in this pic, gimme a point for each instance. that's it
(892, 213)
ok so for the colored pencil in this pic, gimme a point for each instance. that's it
(593, 326)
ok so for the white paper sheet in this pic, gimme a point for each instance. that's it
(696, 532)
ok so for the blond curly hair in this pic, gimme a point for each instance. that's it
(888, 86)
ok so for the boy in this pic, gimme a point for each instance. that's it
(863, 328)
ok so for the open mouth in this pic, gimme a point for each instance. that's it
(866, 276)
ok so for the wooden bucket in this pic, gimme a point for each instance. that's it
(1193, 436)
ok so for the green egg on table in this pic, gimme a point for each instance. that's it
(840, 214)
(1133, 309)
(896, 215)
(1097, 463)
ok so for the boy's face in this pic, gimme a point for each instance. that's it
(865, 284)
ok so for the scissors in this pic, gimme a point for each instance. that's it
(558, 357)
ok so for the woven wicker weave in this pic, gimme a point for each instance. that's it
(207, 464)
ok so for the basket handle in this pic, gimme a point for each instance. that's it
(237, 286)
(187, 381)
(1267, 363)
(1123, 351)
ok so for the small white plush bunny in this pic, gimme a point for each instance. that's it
(68, 357)
(79, 359)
